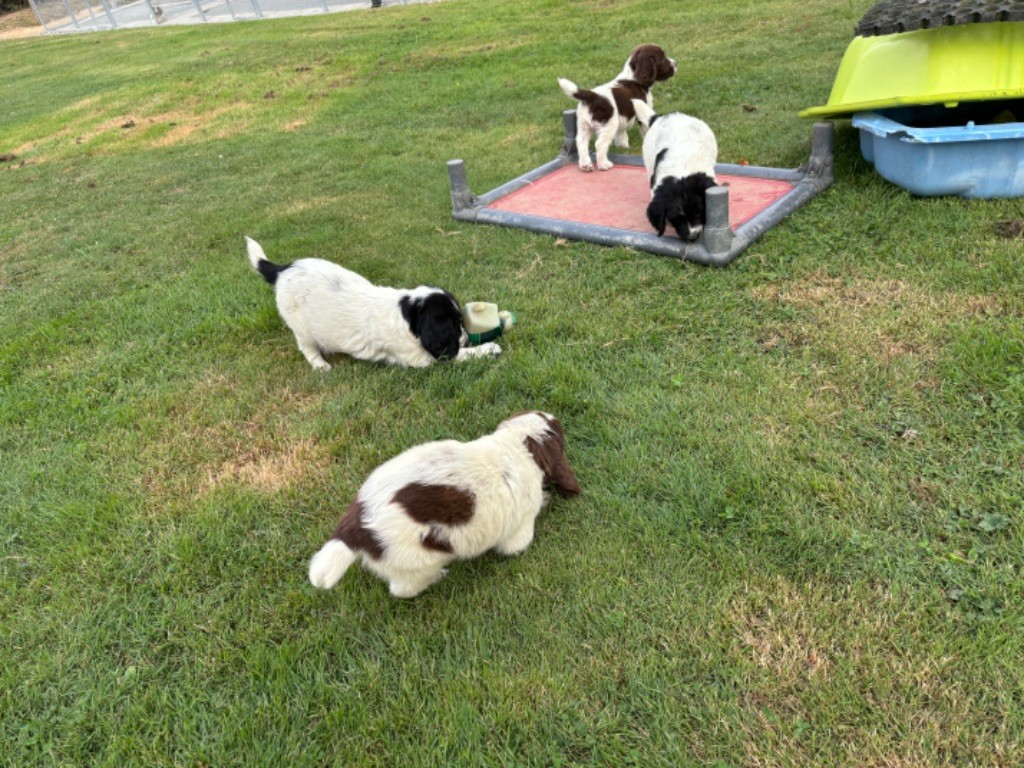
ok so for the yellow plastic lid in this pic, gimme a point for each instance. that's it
(944, 65)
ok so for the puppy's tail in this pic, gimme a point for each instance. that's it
(569, 88)
(644, 114)
(330, 563)
(261, 263)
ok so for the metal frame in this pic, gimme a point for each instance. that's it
(719, 243)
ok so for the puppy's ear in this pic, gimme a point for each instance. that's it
(438, 325)
(657, 214)
(549, 454)
(441, 341)
(701, 182)
(645, 69)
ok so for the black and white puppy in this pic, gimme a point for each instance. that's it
(607, 110)
(331, 309)
(448, 500)
(680, 153)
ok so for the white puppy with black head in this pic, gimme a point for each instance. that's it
(331, 310)
(448, 500)
(680, 153)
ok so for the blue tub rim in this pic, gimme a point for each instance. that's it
(885, 127)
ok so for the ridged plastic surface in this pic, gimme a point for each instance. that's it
(894, 16)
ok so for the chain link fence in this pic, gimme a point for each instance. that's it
(86, 15)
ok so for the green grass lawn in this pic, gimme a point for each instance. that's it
(799, 541)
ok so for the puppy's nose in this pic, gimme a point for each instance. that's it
(694, 232)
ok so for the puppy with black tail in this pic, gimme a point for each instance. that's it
(331, 310)
(680, 153)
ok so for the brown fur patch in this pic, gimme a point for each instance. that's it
(600, 108)
(624, 91)
(436, 504)
(355, 535)
(549, 454)
(434, 541)
(650, 64)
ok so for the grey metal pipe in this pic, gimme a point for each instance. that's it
(71, 13)
(110, 14)
(719, 243)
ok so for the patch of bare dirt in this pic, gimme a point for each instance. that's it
(883, 319)
(19, 24)
(1010, 228)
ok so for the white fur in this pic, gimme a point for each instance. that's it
(498, 471)
(330, 563)
(331, 310)
(614, 131)
(689, 144)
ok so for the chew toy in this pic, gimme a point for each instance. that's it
(483, 321)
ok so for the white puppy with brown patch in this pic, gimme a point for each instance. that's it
(446, 501)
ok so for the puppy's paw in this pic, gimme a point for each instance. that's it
(586, 165)
(605, 165)
(491, 348)
(321, 365)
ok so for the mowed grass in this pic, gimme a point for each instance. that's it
(800, 537)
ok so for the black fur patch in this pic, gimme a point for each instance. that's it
(657, 161)
(436, 321)
(681, 203)
(270, 270)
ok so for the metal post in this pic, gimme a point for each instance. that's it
(110, 15)
(71, 13)
(462, 197)
(324, 4)
(569, 126)
(231, 10)
(152, 13)
(256, 9)
(822, 148)
(718, 235)
(35, 10)
(199, 9)
(88, 7)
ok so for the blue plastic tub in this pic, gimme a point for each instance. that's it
(980, 161)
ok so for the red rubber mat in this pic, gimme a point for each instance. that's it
(618, 198)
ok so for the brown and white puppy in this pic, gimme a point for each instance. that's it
(448, 500)
(607, 110)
